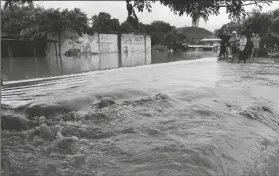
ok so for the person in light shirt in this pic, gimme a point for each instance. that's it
(256, 45)
(242, 48)
(233, 45)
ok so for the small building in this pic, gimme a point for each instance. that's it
(211, 41)
(205, 45)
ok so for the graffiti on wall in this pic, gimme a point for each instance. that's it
(108, 43)
(133, 43)
(89, 44)
(72, 44)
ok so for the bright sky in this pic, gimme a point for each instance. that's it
(117, 9)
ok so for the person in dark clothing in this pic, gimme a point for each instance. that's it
(222, 51)
(249, 48)
(224, 44)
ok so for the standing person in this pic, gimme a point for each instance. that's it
(222, 46)
(256, 45)
(243, 48)
(233, 45)
(226, 40)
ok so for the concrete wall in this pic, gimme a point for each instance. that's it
(89, 44)
(69, 40)
(99, 43)
(148, 43)
(136, 47)
(132, 43)
(108, 43)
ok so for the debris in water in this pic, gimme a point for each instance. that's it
(248, 114)
(96, 117)
(46, 132)
(71, 116)
(265, 108)
(15, 122)
(105, 102)
(47, 110)
(67, 144)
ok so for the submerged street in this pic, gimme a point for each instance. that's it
(194, 117)
(140, 88)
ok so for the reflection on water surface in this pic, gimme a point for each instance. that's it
(20, 68)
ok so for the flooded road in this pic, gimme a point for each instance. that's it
(193, 117)
(22, 68)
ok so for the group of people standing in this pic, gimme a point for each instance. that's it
(239, 46)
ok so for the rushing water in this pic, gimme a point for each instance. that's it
(198, 117)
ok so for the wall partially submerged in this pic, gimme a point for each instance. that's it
(83, 45)
(98, 43)
(108, 43)
(132, 43)
(137, 47)
(70, 41)
(89, 44)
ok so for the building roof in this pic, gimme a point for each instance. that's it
(211, 40)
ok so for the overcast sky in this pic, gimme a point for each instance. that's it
(117, 9)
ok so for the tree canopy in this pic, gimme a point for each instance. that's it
(264, 24)
(196, 9)
(13, 21)
(29, 22)
(104, 23)
(229, 27)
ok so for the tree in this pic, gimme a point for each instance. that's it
(34, 23)
(105, 24)
(13, 3)
(52, 20)
(158, 30)
(272, 36)
(229, 27)
(274, 27)
(14, 21)
(161, 26)
(256, 22)
(264, 24)
(78, 21)
(174, 37)
(196, 9)
(128, 27)
(137, 28)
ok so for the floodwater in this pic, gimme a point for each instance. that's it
(21, 68)
(191, 117)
